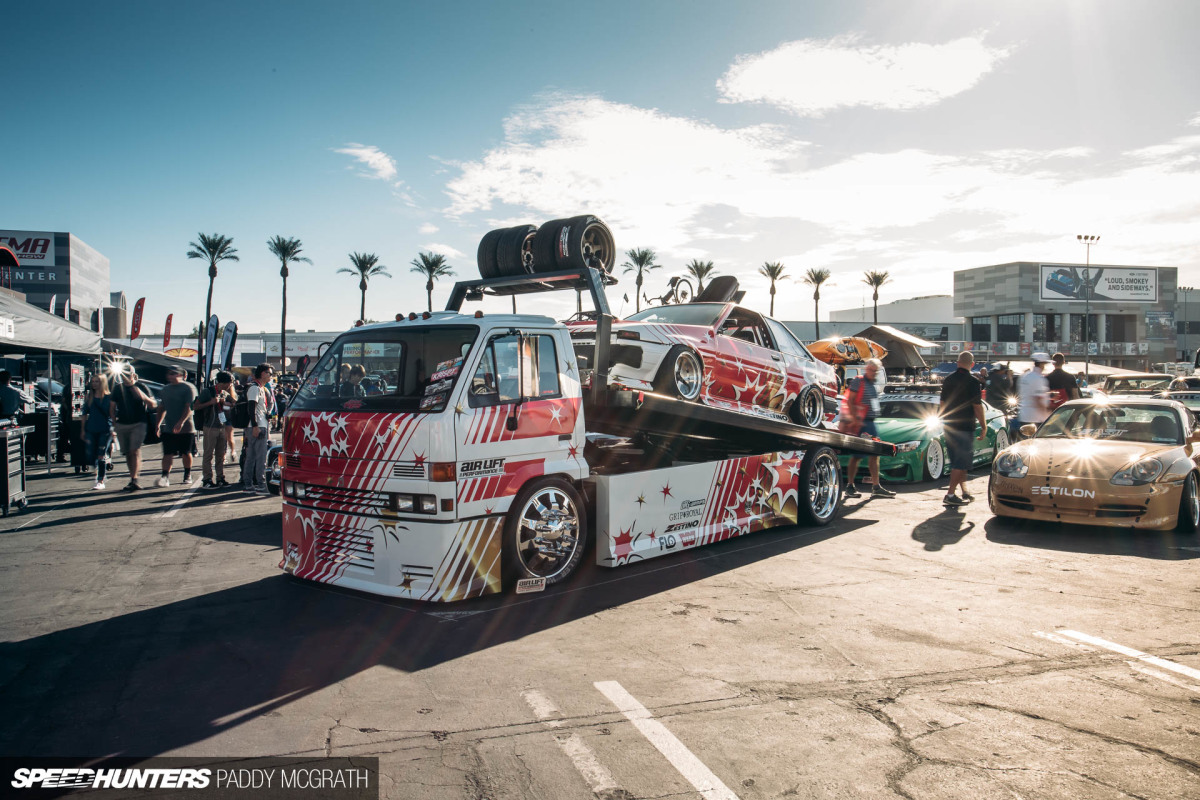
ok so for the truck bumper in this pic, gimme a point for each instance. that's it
(417, 559)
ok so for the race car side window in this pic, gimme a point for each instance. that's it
(786, 342)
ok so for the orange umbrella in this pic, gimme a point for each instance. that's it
(846, 350)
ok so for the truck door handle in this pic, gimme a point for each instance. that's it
(564, 437)
(775, 357)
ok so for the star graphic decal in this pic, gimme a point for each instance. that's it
(458, 410)
(573, 452)
(568, 367)
(556, 414)
(623, 545)
(653, 537)
(487, 510)
(381, 441)
(407, 583)
(666, 492)
(419, 459)
(641, 501)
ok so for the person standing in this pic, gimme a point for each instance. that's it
(134, 403)
(1034, 393)
(176, 426)
(254, 470)
(999, 387)
(863, 406)
(961, 410)
(214, 401)
(98, 414)
(1063, 386)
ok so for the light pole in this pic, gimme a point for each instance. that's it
(1088, 240)
(1185, 291)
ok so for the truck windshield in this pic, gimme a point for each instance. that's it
(390, 370)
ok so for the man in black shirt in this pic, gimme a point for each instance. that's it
(961, 408)
(1063, 386)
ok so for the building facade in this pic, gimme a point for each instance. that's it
(1027, 306)
(60, 267)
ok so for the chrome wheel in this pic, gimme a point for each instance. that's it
(812, 409)
(598, 247)
(824, 486)
(935, 459)
(548, 533)
(1189, 506)
(1001, 442)
(688, 375)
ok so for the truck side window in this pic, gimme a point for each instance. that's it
(513, 367)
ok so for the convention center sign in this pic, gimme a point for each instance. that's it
(1059, 282)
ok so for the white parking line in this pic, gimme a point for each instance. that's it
(599, 779)
(173, 510)
(1162, 663)
(690, 767)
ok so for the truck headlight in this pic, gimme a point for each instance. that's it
(1011, 465)
(908, 447)
(1139, 473)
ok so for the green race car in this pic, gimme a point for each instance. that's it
(910, 421)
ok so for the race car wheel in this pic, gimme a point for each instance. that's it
(1189, 507)
(808, 409)
(486, 255)
(514, 252)
(546, 532)
(820, 486)
(1001, 442)
(681, 374)
(935, 460)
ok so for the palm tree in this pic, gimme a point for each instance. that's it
(641, 261)
(875, 280)
(814, 278)
(214, 249)
(432, 266)
(366, 265)
(773, 270)
(700, 270)
(288, 252)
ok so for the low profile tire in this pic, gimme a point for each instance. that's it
(586, 242)
(1189, 507)
(808, 409)
(514, 254)
(820, 486)
(1002, 443)
(935, 460)
(485, 257)
(545, 245)
(681, 374)
(546, 532)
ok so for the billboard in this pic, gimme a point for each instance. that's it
(1059, 282)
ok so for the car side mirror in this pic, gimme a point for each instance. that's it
(1028, 430)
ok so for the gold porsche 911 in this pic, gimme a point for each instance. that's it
(1127, 462)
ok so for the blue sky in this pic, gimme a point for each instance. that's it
(913, 137)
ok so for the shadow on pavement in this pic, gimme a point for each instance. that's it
(159, 679)
(947, 528)
(1161, 545)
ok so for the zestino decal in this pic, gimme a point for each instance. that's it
(1062, 491)
(683, 526)
(481, 468)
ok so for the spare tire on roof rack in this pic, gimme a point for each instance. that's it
(514, 251)
(485, 257)
(574, 243)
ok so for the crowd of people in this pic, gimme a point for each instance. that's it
(129, 413)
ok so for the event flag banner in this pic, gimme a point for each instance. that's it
(167, 333)
(135, 329)
(227, 343)
(210, 342)
(53, 304)
(1070, 282)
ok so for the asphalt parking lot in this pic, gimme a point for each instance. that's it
(905, 651)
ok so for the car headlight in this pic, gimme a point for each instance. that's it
(933, 425)
(1139, 473)
(1011, 465)
(908, 447)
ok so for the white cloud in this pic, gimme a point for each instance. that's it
(813, 76)
(427, 228)
(741, 196)
(444, 249)
(1195, 121)
(375, 163)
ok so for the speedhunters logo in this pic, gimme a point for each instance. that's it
(83, 778)
(265, 778)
